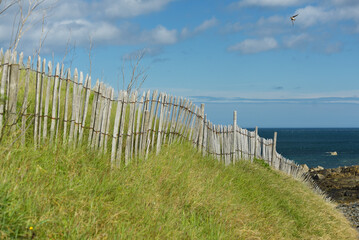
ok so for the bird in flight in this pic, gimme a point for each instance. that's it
(292, 18)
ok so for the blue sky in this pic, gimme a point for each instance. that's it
(231, 55)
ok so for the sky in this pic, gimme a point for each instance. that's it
(232, 55)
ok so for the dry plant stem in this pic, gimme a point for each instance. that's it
(138, 73)
(24, 23)
(7, 5)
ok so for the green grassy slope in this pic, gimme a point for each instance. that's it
(74, 194)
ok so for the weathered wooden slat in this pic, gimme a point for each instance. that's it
(1, 57)
(84, 114)
(270, 151)
(74, 106)
(108, 120)
(146, 128)
(226, 146)
(98, 113)
(233, 151)
(204, 149)
(169, 106)
(152, 123)
(214, 140)
(172, 123)
(155, 125)
(194, 119)
(14, 57)
(274, 148)
(25, 102)
(241, 136)
(138, 124)
(201, 124)
(54, 100)
(47, 100)
(187, 126)
(238, 148)
(58, 117)
(37, 100)
(11, 60)
(182, 118)
(209, 138)
(179, 122)
(252, 135)
(256, 143)
(21, 59)
(122, 127)
(12, 96)
(219, 141)
(78, 106)
(264, 150)
(130, 128)
(142, 133)
(41, 97)
(68, 79)
(162, 112)
(116, 127)
(196, 127)
(93, 112)
(104, 118)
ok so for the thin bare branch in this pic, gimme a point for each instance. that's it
(26, 19)
(90, 53)
(138, 73)
(6, 7)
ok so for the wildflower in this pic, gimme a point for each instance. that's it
(31, 228)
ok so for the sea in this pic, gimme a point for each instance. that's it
(313, 146)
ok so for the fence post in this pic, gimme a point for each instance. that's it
(200, 130)
(205, 132)
(41, 97)
(255, 143)
(161, 101)
(37, 100)
(2, 89)
(274, 146)
(14, 78)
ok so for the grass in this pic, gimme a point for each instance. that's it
(74, 194)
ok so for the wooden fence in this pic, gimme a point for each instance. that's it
(48, 104)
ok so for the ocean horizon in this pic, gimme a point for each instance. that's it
(313, 146)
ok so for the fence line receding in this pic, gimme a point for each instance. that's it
(51, 104)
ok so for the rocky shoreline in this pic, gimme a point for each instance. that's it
(342, 186)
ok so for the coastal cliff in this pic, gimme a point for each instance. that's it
(341, 185)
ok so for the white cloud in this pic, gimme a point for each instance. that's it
(341, 10)
(270, 26)
(296, 40)
(161, 35)
(311, 15)
(254, 45)
(333, 48)
(185, 33)
(206, 25)
(232, 27)
(132, 8)
(345, 2)
(268, 3)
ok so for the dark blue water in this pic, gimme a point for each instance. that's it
(311, 145)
